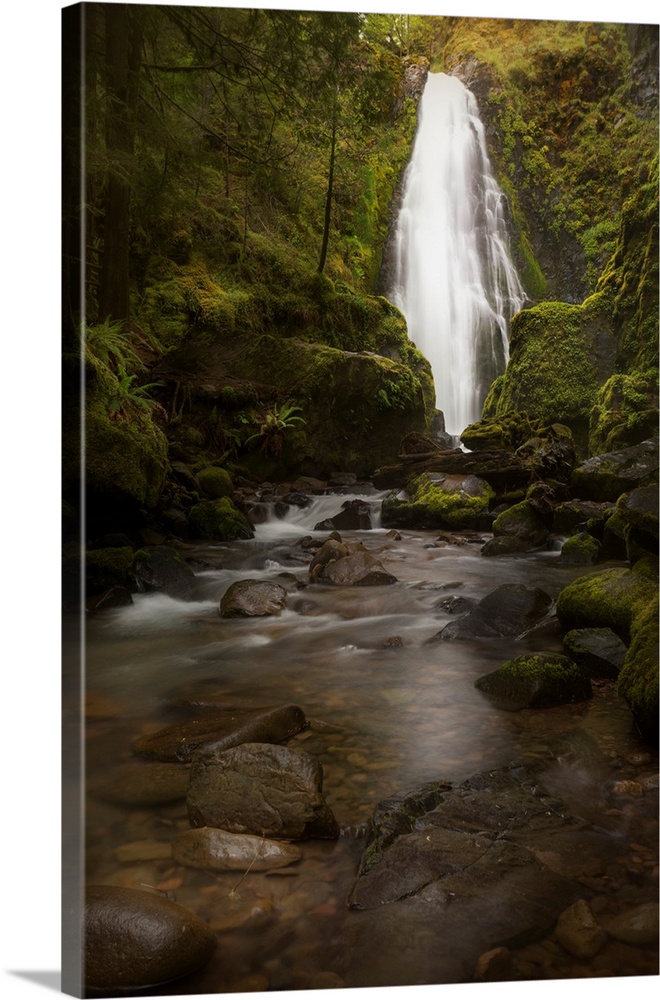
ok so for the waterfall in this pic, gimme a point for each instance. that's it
(453, 278)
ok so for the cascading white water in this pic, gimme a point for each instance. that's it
(454, 280)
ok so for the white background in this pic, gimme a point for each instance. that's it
(30, 490)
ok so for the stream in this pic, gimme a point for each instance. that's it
(388, 711)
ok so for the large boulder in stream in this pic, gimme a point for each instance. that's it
(510, 610)
(135, 939)
(538, 680)
(439, 500)
(260, 789)
(160, 567)
(348, 565)
(219, 730)
(253, 599)
(355, 515)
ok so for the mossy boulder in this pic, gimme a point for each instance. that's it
(637, 514)
(540, 680)
(106, 568)
(581, 549)
(560, 354)
(161, 568)
(638, 680)
(125, 450)
(607, 476)
(219, 520)
(356, 406)
(625, 412)
(506, 432)
(610, 599)
(215, 483)
(523, 522)
(435, 500)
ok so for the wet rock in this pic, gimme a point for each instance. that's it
(504, 545)
(606, 477)
(456, 604)
(572, 514)
(637, 926)
(581, 549)
(509, 610)
(439, 500)
(143, 783)
(221, 730)
(115, 597)
(454, 842)
(599, 651)
(523, 522)
(267, 790)
(218, 850)
(331, 549)
(355, 515)
(610, 599)
(578, 931)
(252, 599)
(160, 567)
(539, 680)
(135, 939)
(359, 568)
(326, 981)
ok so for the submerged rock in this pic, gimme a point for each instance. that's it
(578, 931)
(220, 730)
(217, 850)
(143, 783)
(637, 926)
(260, 789)
(135, 939)
(509, 610)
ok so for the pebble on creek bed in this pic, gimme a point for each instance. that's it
(217, 850)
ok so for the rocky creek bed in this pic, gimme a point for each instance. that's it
(440, 837)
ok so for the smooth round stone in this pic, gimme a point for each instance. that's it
(134, 939)
(218, 850)
(638, 926)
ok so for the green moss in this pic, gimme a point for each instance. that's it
(638, 680)
(522, 521)
(609, 599)
(125, 451)
(440, 502)
(215, 483)
(550, 375)
(506, 432)
(581, 549)
(219, 520)
(625, 412)
(105, 568)
(540, 680)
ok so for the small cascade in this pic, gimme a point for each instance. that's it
(454, 280)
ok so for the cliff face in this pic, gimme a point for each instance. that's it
(571, 115)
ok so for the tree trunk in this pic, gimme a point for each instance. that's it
(328, 200)
(123, 40)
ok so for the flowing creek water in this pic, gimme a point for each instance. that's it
(388, 711)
